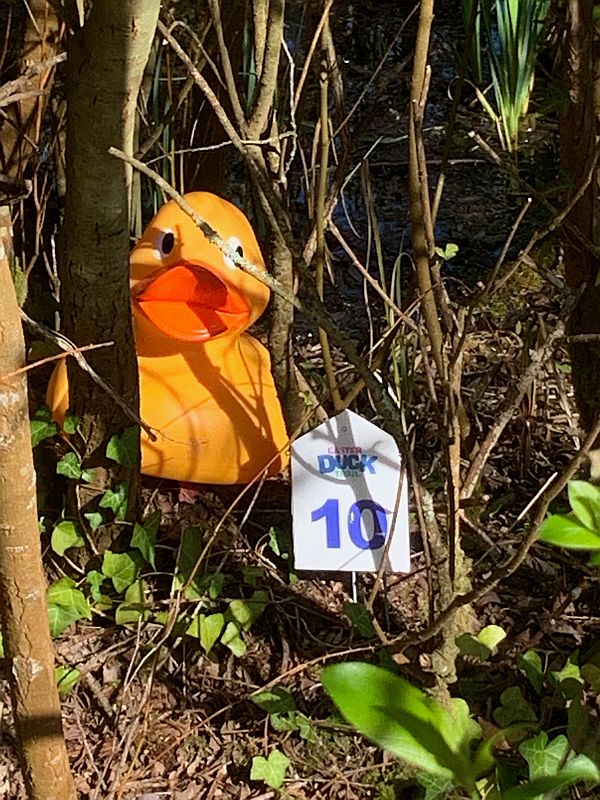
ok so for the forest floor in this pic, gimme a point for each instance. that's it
(154, 716)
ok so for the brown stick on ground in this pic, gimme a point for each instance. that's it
(23, 606)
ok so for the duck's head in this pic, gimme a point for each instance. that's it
(184, 285)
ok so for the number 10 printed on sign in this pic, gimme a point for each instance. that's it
(349, 498)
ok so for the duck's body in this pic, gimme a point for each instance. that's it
(205, 385)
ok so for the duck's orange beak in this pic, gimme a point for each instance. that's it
(190, 303)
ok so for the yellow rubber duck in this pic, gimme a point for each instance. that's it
(206, 386)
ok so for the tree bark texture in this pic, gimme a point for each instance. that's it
(106, 60)
(32, 36)
(23, 607)
(579, 131)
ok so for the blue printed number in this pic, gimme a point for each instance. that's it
(330, 511)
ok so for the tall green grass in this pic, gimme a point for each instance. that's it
(514, 35)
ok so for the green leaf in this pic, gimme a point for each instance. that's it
(66, 604)
(144, 538)
(69, 466)
(277, 700)
(584, 498)
(95, 580)
(190, 550)
(134, 606)
(448, 252)
(483, 645)
(531, 664)
(565, 530)
(65, 535)
(568, 679)
(547, 768)
(275, 541)
(206, 628)
(71, 423)
(123, 448)
(246, 612)
(42, 426)
(66, 678)
(122, 568)
(271, 770)
(404, 720)
(436, 787)
(95, 519)
(360, 618)
(232, 639)
(116, 500)
(514, 709)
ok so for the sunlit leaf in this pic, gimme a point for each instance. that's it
(122, 568)
(42, 426)
(66, 679)
(65, 535)
(565, 530)
(117, 500)
(584, 498)
(123, 447)
(271, 770)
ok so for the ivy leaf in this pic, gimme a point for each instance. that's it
(514, 708)
(42, 426)
(274, 701)
(483, 645)
(71, 423)
(144, 538)
(122, 568)
(66, 678)
(190, 549)
(271, 770)
(531, 664)
(66, 604)
(123, 447)
(360, 618)
(245, 612)
(207, 629)
(95, 580)
(69, 466)
(116, 500)
(134, 606)
(65, 535)
(95, 519)
(232, 639)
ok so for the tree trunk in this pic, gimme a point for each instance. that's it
(23, 607)
(578, 137)
(106, 59)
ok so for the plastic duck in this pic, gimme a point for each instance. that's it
(205, 385)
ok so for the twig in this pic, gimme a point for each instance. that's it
(56, 357)
(72, 349)
(511, 564)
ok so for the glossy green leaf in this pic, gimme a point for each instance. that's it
(42, 426)
(123, 447)
(531, 664)
(277, 700)
(95, 580)
(271, 770)
(584, 498)
(95, 519)
(122, 568)
(64, 536)
(66, 679)
(117, 500)
(565, 530)
(246, 612)
(144, 538)
(404, 720)
(514, 708)
(232, 639)
(206, 628)
(71, 423)
(66, 604)
(70, 466)
(134, 607)
(190, 550)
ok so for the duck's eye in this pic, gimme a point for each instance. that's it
(235, 245)
(167, 243)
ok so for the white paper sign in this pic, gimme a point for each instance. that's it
(349, 498)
